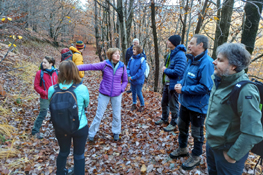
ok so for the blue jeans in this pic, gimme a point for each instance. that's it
(197, 126)
(137, 90)
(217, 163)
(44, 103)
(79, 141)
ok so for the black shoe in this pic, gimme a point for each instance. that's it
(129, 91)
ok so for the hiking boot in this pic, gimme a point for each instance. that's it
(191, 162)
(169, 128)
(129, 91)
(116, 137)
(159, 122)
(69, 171)
(133, 107)
(141, 108)
(38, 135)
(179, 152)
(91, 139)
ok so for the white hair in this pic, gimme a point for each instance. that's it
(135, 39)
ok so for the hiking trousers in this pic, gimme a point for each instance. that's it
(64, 141)
(103, 101)
(196, 119)
(44, 103)
(170, 103)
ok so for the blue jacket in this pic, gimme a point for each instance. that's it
(177, 66)
(82, 95)
(136, 69)
(197, 83)
(129, 54)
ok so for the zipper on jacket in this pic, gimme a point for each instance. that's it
(113, 79)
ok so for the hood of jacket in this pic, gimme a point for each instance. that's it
(74, 50)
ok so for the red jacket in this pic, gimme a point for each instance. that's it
(49, 81)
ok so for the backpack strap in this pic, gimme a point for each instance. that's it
(234, 94)
(42, 81)
(142, 59)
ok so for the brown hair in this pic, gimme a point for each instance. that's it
(68, 72)
(111, 51)
(138, 49)
(50, 59)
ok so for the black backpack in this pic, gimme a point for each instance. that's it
(233, 96)
(64, 110)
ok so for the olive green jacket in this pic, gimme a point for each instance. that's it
(224, 127)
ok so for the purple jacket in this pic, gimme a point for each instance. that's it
(112, 84)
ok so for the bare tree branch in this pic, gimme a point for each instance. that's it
(257, 58)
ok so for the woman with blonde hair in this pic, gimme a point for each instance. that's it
(69, 77)
(114, 82)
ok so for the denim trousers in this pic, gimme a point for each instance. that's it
(64, 142)
(44, 103)
(217, 163)
(137, 91)
(103, 101)
(197, 126)
(170, 103)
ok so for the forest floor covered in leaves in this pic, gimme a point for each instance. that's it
(143, 146)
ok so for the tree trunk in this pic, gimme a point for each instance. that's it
(122, 27)
(129, 21)
(156, 77)
(223, 31)
(201, 17)
(97, 32)
(184, 22)
(189, 24)
(251, 24)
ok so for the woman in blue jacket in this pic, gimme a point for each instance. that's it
(69, 75)
(135, 69)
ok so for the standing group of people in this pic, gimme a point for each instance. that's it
(203, 86)
(200, 84)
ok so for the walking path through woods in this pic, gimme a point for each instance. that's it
(143, 147)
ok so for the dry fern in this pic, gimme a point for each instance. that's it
(5, 153)
(7, 130)
(19, 163)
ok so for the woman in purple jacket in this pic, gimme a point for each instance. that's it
(114, 82)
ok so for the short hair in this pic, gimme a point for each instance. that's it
(236, 54)
(111, 51)
(136, 39)
(202, 39)
(68, 72)
(50, 59)
(138, 49)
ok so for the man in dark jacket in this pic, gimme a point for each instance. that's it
(231, 134)
(129, 54)
(173, 71)
(194, 91)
